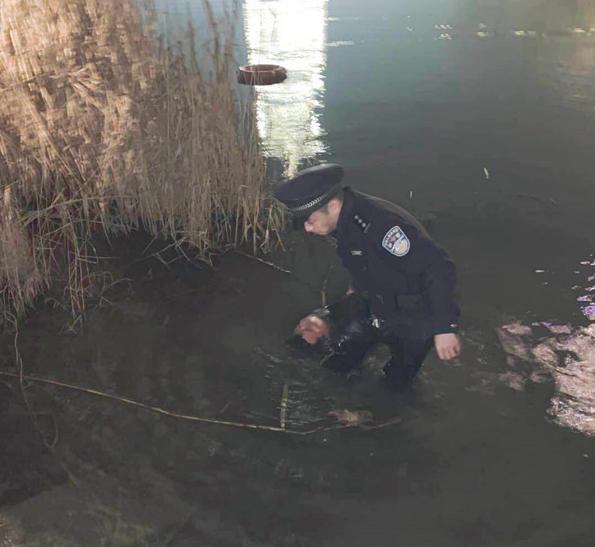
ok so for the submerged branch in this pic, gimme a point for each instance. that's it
(164, 412)
(262, 261)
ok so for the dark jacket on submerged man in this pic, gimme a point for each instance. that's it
(403, 283)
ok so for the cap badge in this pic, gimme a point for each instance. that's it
(396, 242)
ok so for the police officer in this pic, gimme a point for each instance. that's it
(406, 280)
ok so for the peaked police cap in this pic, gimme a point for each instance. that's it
(310, 189)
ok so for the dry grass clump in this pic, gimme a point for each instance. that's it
(11, 534)
(103, 129)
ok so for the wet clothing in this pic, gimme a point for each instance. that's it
(354, 332)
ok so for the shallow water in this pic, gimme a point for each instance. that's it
(488, 138)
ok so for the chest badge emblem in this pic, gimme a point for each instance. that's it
(357, 252)
(396, 242)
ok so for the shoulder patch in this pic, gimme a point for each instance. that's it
(396, 242)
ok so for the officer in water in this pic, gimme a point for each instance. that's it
(402, 282)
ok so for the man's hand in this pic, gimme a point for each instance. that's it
(311, 328)
(448, 346)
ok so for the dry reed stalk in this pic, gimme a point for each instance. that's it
(101, 129)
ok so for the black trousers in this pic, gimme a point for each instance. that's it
(356, 334)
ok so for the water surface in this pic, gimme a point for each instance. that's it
(479, 117)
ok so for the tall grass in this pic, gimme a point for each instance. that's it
(105, 129)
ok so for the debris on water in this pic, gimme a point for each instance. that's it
(590, 289)
(483, 34)
(539, 271)
(482, 26)
(352, 418)
(518, 329)
(486, 173)
(261, 74)
(268, 356)
(557, 329)
(585, 298)
(410, 194)
(341, 43)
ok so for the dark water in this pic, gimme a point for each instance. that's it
(489, 139)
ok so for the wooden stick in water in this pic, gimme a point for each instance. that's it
(283, 415)
(186, 417)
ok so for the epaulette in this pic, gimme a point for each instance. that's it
(361, 222)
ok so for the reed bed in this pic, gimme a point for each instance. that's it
(105, 129)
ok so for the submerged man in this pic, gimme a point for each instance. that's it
(406, 282)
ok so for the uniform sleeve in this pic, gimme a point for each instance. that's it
(438, 281)
(433, 269)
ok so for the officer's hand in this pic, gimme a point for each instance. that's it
(448, 346)
(311, 328)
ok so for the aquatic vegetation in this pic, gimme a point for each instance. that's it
(106, 130)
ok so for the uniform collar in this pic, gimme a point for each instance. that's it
(345, 214)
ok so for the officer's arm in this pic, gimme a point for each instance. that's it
(438, 281)
(433, 268)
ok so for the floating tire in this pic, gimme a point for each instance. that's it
(261, 74)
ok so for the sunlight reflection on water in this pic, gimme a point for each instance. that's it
(291, 34)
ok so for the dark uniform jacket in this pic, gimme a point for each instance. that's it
(408, 278)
